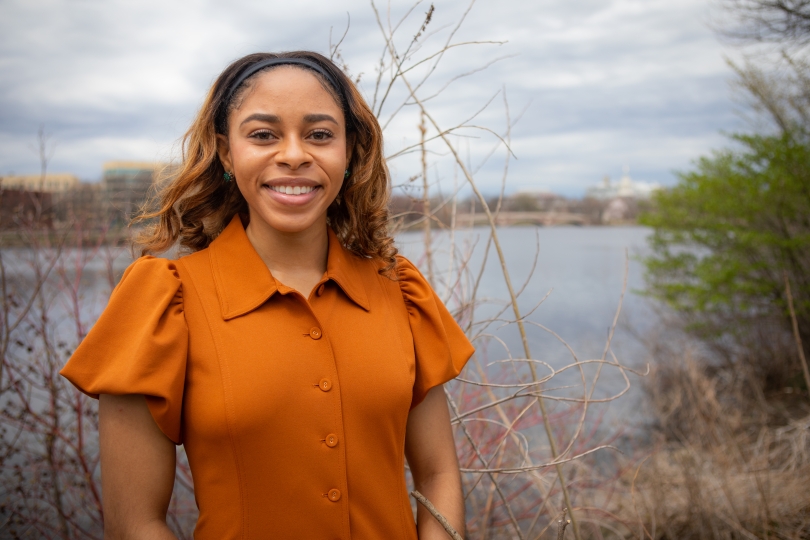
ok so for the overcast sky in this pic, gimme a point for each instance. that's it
(603, 83)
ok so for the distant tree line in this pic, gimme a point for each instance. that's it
(408, 211)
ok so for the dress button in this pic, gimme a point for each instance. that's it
(315, 332)
(325, 385)
(334, 495)
(331, 440)
(320, 290)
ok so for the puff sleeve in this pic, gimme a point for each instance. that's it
(441, 347)
(139, 344)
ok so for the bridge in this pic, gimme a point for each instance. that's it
(506, 219)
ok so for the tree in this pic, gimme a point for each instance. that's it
(782, 22)
(726, 234)
(775, 82)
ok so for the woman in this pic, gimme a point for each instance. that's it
(292, 352)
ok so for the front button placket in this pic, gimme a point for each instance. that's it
(328, 385)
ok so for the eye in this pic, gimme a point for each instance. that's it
(321, 135)
(262, 135)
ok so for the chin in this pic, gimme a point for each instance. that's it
(293, 226)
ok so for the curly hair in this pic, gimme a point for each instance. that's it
(196, 204)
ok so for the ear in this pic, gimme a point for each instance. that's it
(224, 152)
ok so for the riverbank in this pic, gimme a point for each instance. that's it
(730, 456)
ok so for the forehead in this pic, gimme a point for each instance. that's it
(285, 87)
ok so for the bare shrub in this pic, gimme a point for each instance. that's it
(729, 462)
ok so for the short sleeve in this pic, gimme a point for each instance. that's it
(139, 344)
(441, 347)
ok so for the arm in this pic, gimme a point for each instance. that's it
(137, 470)
(431, 454)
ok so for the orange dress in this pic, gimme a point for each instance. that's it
(292, 410)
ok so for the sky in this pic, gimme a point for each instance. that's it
(590, 86)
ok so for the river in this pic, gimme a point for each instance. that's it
(582, 269)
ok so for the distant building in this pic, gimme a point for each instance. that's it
(21, 208)
(84, 203)
(625, 187)
(50, 183)
(126, 186)
(30, 200)
(617, 211)
(55, 199)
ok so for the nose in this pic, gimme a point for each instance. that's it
(292, 153)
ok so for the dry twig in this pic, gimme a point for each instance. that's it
(562, 523)
(796, 334)
(435, 513)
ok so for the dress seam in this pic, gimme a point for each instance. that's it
(406, 515)
(230, 413)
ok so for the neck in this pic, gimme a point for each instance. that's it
(298, 259)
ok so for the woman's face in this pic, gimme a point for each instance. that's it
(287, 148)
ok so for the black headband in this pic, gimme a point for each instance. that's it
(258, 66)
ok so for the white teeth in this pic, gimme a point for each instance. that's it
(292, 190)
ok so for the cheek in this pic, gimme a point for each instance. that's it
(339, 161)
(246, 156)
(244, 152)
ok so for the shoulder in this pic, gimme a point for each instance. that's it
(150, 276)
(405, 273)
(412, 283)
(151, 268)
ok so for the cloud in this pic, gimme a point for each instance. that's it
(606, 82)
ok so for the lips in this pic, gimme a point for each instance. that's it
(292, 191)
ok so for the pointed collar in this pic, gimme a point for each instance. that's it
(243, 282)
(346, 269)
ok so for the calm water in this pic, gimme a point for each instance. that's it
(584, 268)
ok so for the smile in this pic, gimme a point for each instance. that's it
(293, 190)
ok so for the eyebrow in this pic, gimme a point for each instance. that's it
(312, 118)
(269, 118)
(273, 119)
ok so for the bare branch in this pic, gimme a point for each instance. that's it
(435, 513)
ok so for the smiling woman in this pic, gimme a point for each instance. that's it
(297, 358)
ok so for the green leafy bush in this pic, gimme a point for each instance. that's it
(727, 233)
